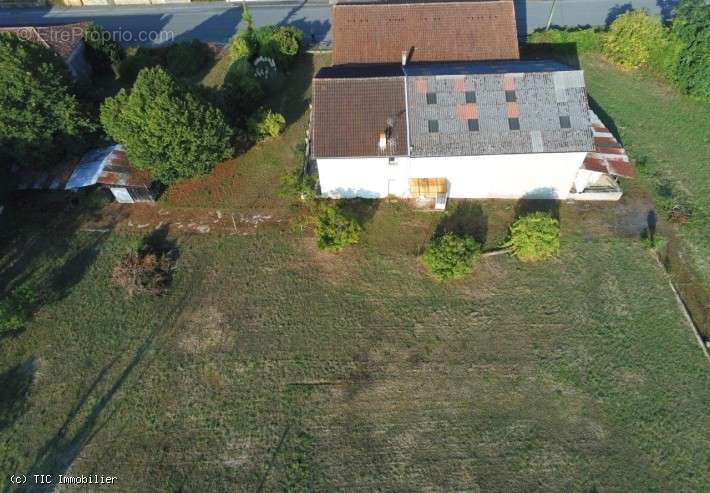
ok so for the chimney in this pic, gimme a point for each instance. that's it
(383, 141)
(404, 58)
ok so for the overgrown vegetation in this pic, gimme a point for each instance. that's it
(450, 257)
(40, 118)
(680, 54)
(187, 58)
(297, 184)
(165, 128)
(334, 230)
(534, 237)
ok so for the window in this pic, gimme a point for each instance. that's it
(433, 126)
(564, 122)
(431, 98)
(470, 96)
(510, 97)
(514, 123)
(473, 125)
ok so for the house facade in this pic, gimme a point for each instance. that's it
(438, 127)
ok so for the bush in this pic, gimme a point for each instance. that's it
(288, 41)
(584, 39)
(534, 237)
(102, 52)
(635, 39)
(188, 58)
(40, 119)
(240, 47)
(451, 257)
(16, 309)
(335, 231)
(165, 129)
(266, 124)
(691, 32)
(144, 272)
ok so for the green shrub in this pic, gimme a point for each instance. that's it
(266, 124)
(691, 32)
(102, 52)
(165, 128)
(16, 309)
(534, 237)
(188, 58)
(240, 48)
(585, 39)
(288, 41)
(635, 39)
(334, 231)
(450, 256)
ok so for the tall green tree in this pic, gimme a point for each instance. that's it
(39, 116)
(165, 128)
(691, 27)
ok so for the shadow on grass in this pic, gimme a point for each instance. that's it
(40, 246)
(538, 200)
(466, 219)
(15, 384)
(566, 53)
(606, 119)
(362, 210)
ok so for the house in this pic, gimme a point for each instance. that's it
(440, 127)
(107, 167)
(66, 40)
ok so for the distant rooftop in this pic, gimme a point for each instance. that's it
(62, 39)
(378, 32)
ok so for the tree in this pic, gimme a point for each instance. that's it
(39, 116)
(266, 124)
(103, 53)
(691, 28)
(534, 237)
(450, 256)
(166, 129)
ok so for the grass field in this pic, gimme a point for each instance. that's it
(271, 365)
(668, 136)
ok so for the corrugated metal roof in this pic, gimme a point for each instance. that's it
(608, 155)
(90, 167)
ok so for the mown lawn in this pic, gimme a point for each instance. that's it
(668, 137)
(272, 365)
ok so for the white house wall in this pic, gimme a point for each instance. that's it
(500, 176)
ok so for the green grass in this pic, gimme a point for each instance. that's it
(668, 137)
(273, 365)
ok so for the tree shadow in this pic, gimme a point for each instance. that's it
(616, 11)
(649, 232)
(666, 7)
(15, 385)
(42, 247)
(467, 218)
(566, 53)
(362, 210)
(521, 18)
(538, 200)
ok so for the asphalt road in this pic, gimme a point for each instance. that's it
(216, 22)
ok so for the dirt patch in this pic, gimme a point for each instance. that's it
(205, 329)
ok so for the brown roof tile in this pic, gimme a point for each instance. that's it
(350, 114)
(62, 39)
(430, 32)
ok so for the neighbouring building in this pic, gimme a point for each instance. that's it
(66, 40)
(107, 167)
(473, 121)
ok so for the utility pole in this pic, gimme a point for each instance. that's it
(552, 11)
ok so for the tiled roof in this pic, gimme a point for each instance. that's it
(608, 155)
(62, 39)
(453, 110)
(429, 32)
(350, 114)
(481, 112)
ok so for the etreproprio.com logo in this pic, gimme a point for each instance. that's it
(60, 34)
